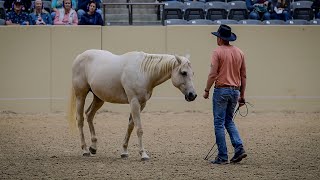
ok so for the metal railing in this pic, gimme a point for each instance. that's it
(160, 7)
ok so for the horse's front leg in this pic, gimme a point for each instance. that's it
(124, 153)
(135, 112)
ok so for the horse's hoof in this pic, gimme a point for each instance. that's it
(92, 151)
(124, 155)
(86, 154)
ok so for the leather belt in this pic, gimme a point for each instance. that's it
(228, 87)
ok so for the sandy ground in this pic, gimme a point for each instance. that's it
(39, 146)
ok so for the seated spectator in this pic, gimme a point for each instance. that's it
(316, 7)
(259, 9)
(83, 7)
(39, 15)
(16, 16)
(92, 17)
(280, 9)
(58, 4)
(66, 15)
(26, 5)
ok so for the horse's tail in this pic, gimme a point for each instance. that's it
(72, 110)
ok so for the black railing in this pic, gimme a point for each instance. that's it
(160, 7)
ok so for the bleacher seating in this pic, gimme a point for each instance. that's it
(173, 10)
(200, 22)
(250, 21)
(237, 10)
(273, 22)
(315, 22)
(297, 22)
(302, 10)
(175, 22)
(216, 10)
(225, 21)
(194, 10)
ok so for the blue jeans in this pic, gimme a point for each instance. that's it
(257, 16)
(284, 16)
(224, 103)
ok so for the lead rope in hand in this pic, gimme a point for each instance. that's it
(208, 156)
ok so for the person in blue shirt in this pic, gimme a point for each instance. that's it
(83, 7)
(259, 9)
(39, 15)
(280, 9)
(17, 16)
(92, 17)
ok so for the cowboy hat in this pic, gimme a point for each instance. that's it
(224, 32)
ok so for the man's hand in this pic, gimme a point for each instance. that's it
(241, 101)
(206, 94)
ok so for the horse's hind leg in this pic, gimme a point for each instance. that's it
(80, 101)
(90, 112)
(124, 153)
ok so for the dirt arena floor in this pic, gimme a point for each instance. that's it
(284, 145)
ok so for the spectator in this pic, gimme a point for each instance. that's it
(91, 17)
(84, 7)
(66, 15)
(39, 15)
(26, 5)
(259, 9)
(58, 4)
(17, 16)
(316, 7)
(280, 9)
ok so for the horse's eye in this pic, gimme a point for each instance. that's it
(183, 73)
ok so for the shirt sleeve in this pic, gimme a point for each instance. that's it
(56, 19)
(214, 65)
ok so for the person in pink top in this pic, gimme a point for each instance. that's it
(66, 15)
(228, 73)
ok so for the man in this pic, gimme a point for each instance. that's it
(259, 9)
(91, 17)
(40, 16)
(26, 5)
(84, 7)
(16, 16)
(228, 72)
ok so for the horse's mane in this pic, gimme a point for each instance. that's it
(158, 64)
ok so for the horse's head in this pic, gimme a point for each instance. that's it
(182, 76)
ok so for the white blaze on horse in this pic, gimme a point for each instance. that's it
(124, 79)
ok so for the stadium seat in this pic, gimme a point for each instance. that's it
(237, 10)
(200, 22)
(225, 21)
(175, 22)
(297, 22)
(314, 22)
(216, 10)
(173, 10)
(194, 10)
(302, 10)
(273, 22)
(250, 21)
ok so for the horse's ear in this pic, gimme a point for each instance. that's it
(187, 56)
(178, 59)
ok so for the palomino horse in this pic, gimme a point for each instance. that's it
(125, 79)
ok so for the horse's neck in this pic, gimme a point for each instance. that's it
(159, 80)
(159, 68)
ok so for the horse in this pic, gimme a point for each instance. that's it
(123, 79)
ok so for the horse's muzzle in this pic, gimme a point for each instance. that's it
(190, 96)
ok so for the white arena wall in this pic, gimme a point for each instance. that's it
(282, 64)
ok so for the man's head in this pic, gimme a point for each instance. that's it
(17, 5)
(224, 35)
(38, 5)
(92, 6)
